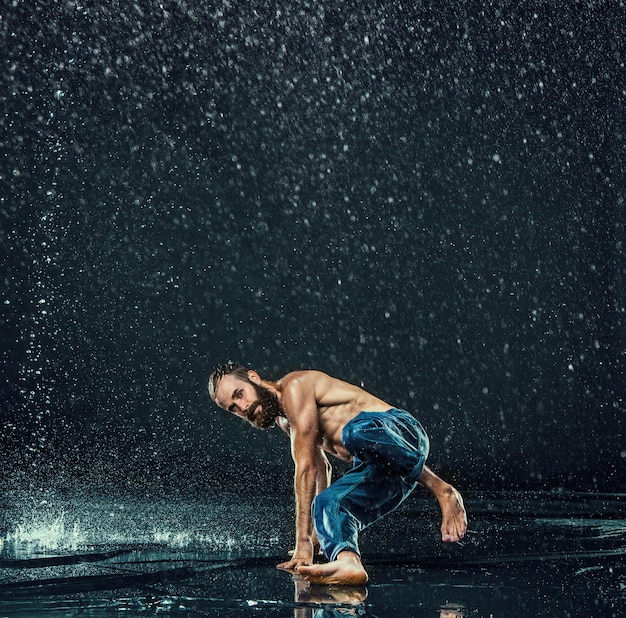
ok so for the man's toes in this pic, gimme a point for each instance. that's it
(452, 535)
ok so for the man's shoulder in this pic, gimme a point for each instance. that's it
(305, 373)
(299, 390)
(303, 378)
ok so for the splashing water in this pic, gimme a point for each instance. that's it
(59, 526)
(47, 536)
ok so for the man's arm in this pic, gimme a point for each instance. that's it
(322, 481)
(324, 472)
(300, 406)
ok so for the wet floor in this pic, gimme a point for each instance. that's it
(525, 554)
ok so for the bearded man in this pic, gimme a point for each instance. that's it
(321, 414)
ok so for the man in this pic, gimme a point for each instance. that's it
(321, 414)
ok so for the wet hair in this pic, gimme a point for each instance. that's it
(230, 368)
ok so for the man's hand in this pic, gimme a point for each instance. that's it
(299, 557)
(317, 548)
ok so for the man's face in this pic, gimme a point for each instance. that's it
(251, 401)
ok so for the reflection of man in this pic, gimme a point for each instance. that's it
(321, 414)
(335, 601)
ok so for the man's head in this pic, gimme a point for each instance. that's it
(241, 391)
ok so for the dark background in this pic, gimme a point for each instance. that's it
(427, 201)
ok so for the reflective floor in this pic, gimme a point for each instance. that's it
(524, 555)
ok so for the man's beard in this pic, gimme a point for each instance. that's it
(270, 408)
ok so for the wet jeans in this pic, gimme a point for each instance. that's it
(389, 449)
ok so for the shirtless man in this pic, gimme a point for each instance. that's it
(321, 414)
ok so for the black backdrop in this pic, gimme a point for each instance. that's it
(424, 200)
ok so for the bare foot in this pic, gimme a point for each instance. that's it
(346, 569)
(454, 522)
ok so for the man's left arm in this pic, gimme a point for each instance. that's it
(300, 407)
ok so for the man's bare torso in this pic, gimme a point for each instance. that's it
(338, 402)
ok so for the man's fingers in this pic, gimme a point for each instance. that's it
(292, 565)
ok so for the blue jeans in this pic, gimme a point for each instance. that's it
(389, 450)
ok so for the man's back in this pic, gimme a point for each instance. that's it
(337, 403)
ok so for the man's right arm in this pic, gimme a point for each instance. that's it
(322, 481)
(324, 472)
